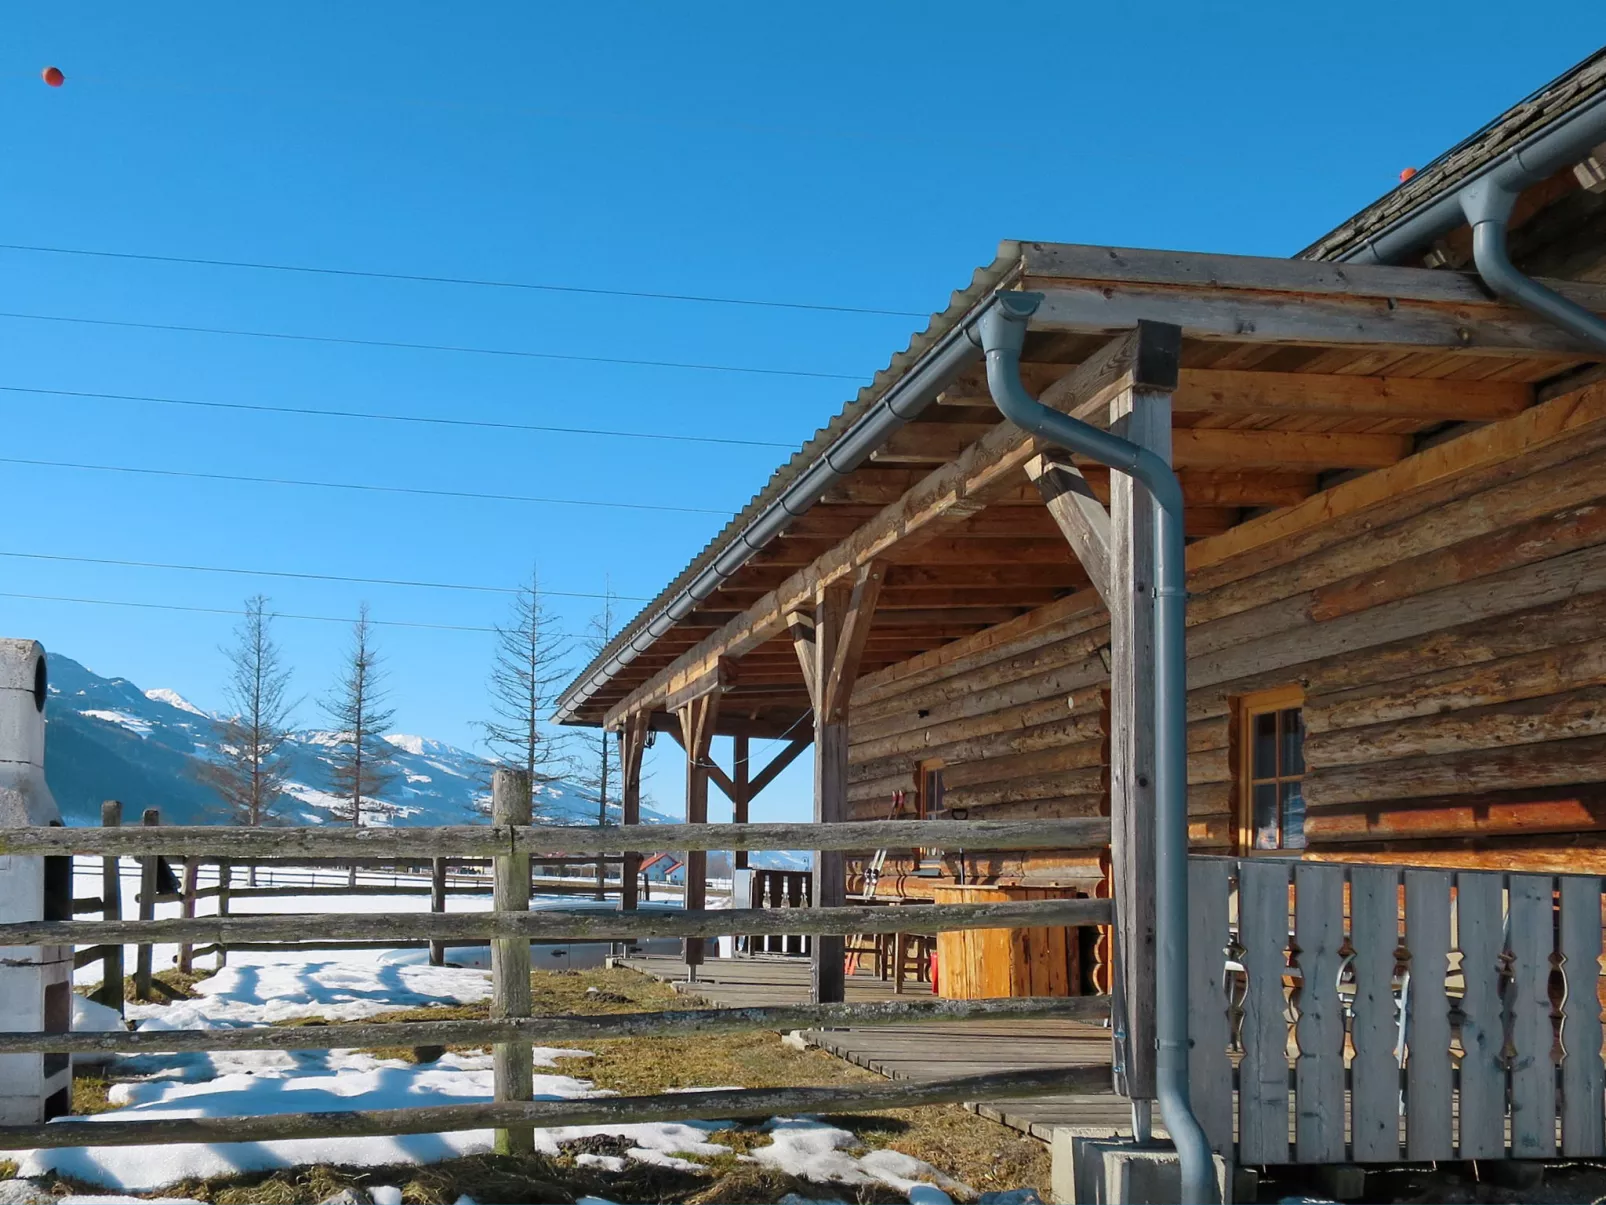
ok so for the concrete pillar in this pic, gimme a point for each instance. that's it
(35, 981)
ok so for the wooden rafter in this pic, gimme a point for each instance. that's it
(1081, 517)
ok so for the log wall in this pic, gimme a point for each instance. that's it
(1446, 617)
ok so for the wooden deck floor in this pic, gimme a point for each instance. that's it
(935, 1051)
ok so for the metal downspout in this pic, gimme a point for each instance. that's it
(1484, 201)
(1488, 203)
(1003, 333)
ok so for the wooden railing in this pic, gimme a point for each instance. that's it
(1381, 1012)
(510, 927)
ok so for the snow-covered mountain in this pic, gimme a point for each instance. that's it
(107, 739)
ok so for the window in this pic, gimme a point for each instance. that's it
(1271, 755)
(929, 806)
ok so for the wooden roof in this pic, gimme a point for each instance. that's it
(1293, 373)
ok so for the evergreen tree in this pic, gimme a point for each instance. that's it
(600, 776)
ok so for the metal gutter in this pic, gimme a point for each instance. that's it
(1484, 201)
(1003, 333)
(903, 402)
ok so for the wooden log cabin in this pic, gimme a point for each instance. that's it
(1396, 519)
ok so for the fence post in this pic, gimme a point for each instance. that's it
(513, 1067)
(147, 911)
(224, 872)
(111, 894)
(437, 904)
(186, 952)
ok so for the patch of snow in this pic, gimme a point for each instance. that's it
(608, 1163)
(815, 1151)
(172, 698)
(385, 1194)
(408, 744)
(121, 718)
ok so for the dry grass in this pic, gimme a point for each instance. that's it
(969, 1148)
(166, 986)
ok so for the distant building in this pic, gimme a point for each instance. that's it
(664, 868)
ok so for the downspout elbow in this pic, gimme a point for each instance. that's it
(1487, 204)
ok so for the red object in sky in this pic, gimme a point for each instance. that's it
(54, 77)
(1406, 174)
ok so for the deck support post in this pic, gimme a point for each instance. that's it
(632, 744)
(111, 894)
(1141, 414)
(512, 1063)
(830, 655)
(148, 878)
(697, 720)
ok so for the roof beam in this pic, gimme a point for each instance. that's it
(1214, 448)
(950, 493)
(1331, 394)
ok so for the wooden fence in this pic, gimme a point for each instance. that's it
(1378, 1013)
(511, 841)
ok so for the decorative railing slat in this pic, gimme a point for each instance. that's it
(1533, 1073)
(1375, 1070)
(1263, 1073)
(1583, 1076)
(1209, 1028)
(1319, 1073)
(1483, 1073)
(1429, 1084)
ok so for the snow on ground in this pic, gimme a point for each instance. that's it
(162, 694)
(265, 987)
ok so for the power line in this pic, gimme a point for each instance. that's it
(419, 278)
(447, 347)
(352, 485)
(431, 420)
(145, 606)
(310, 577)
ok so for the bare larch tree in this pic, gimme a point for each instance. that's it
(525, 674)
(360, 756)
(599, 776)
(250, 772)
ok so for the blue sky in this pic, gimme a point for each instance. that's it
(866, 155)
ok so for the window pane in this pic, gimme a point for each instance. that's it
(933, 798)
(1293, 742)
(1264, 817)
(1293, 816)
(1263, 763)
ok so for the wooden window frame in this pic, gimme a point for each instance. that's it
(1245, 709)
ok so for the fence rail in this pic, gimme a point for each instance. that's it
(512, 845)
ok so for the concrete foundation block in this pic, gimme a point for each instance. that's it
(1093, 1166)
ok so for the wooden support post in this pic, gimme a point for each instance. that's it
(830, 658)
(225, 873)
(147, 911)
(632, 744)
(512, 1063)
(186, 952)
(1140, 412)
(437, 903)
(697, 719)
(111, 894)
(741, 779)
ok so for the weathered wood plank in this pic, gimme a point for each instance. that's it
(148, 869)
(562, 1027)
(1335, 395)
(1142, 416)
(1209, 1028)
(1479, 900)
(1263, 1072)
(672, 1106)
(1319, 1071)
(1428, 1130)
(111, 893)
(1583, 1077)
(471, 840)
(511, 1067)
(556, 924)
(1375, 1070)
(1533, 1073)
(1080, 516)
